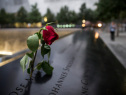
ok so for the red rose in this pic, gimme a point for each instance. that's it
(49, 35)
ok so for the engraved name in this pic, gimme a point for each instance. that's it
(64, 74)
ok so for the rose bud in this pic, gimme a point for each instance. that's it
(49, 35)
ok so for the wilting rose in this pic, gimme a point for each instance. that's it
(49, 35)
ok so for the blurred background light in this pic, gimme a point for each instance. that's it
(99, 24)
(96, 35)
(83, 21)
(5, 53)
(45, 19)
(83, 25)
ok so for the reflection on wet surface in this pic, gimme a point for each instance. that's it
(106, 76)
(82, 66)
(15, 40)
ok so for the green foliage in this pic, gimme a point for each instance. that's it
(34, 15)
(86, 13)
(73, 17)
(39, 66)
(30, 54)
(109, 9)
(47, 68)
(45, 49)
(29, 66)
(28, 70)
(63, 15)
(50, 23)
(21, 15)
(33, 42)
(50, 16)
(67, 16)
(83, 10)
(6, 18)
(122, 14)
(39, 35)
(24, 62)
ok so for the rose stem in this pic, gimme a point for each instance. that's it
(32, 65)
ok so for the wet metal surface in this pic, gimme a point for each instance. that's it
(82, 65)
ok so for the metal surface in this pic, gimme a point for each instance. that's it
(82, 65)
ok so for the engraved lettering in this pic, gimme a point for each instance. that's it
(85, 83)
(13, 93)
(58, 85)
(55, 89)
(61, 79)
(19, 89)
(52, 94)
(23, 86)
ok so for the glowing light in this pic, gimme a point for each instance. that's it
(39, 24)
(83, 21)
(96, 35)
(5, 53)
(83, 25)
(58, 25)
(70, 25)
(64, 26)
(67, 25)
(61, 26)
(45, 19)
(99, 25)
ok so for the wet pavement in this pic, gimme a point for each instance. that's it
(118, 47)
(83, 65)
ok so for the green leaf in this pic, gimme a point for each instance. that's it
(29, 67)
(28, 70)
(42, 42)
(49, 54)
(39, 35)
(33, 42)
(50, 23)
(45, 49)
(44, 28)
(47, 68)
(30, 54)
(24, 62)
(39, 66)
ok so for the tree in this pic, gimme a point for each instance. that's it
(82, 11)
(122, 14)
(86, 13)
(21, 15)
(34, 15)
(73, 17)
(3, 16)
(6, 18)
(110, 9)
(50, 16)
(66, 16)
(63, 15)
